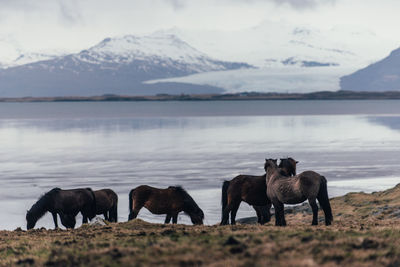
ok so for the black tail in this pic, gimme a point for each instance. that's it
(94, 206)
(323, 200)
(130, 203)
(224, 199)
(114, 212)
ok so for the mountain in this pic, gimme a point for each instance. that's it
(115, 66)
(383, 75)
(276, 44)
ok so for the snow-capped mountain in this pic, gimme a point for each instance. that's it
(114, 66)
(31, 57)
(279, 43)
(166, 49)
(289, 57)
(11, 54)
(383, 75)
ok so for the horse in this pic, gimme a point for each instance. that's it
(252, 190)
(66, 203)
(307, 185)
(107, 204)
(288, 166)
(170, 201)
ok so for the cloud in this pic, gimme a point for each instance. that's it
(69, 13)
(295, 4)
(303, 4)
(177, 4)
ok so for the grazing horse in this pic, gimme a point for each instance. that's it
(66, 203)
(107, 204)
(170, 201)
(253, 191)
(307, 185)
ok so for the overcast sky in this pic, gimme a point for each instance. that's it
(76, 24)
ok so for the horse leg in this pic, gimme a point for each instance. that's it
(267, 213)
(167, 219)
(106, 217)
(54, 214)
(134, 213)
(314, 208)
(175, 218)
(84, 218)
(279, 214)
(225, 214)
(259, 214)
(234, 210)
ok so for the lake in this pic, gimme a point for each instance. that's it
(120, 145)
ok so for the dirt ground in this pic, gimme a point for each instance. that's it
(365, 232)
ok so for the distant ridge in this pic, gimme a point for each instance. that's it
(115, 66)
(323, 95)
(381, 76)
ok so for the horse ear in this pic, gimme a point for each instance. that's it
(297, 162)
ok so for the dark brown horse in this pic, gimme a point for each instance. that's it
(308, 185)
(247, 188)
(107, 204)
(252, 190)
(66, 203)
(170, 201)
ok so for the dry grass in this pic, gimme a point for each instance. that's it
(366, 232)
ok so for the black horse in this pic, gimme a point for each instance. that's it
(66, 203)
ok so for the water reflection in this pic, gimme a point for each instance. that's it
(195, 152)
(392, 122)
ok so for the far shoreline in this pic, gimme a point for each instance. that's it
(244, 96)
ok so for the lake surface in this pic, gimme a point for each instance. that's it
(120, 145)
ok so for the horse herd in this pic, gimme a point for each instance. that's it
(278, 186)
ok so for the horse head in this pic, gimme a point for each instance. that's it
(197, 216)
(288, 166)
(270, 163)
(190, 207)
(30, 220)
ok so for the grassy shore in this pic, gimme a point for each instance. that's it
(365, 232)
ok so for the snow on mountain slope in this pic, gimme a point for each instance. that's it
(288, 79)
(12, 55)
(164, 49)
(272, 43)
(115, 66)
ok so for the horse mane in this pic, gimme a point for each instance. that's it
(41, 206)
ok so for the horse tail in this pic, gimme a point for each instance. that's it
(94, 205)
(323, 200)
(114, 210)
(131, 200)
(224, 198)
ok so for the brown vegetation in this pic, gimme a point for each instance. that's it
(365, 232)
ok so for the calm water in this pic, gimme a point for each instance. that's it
(120, 145)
